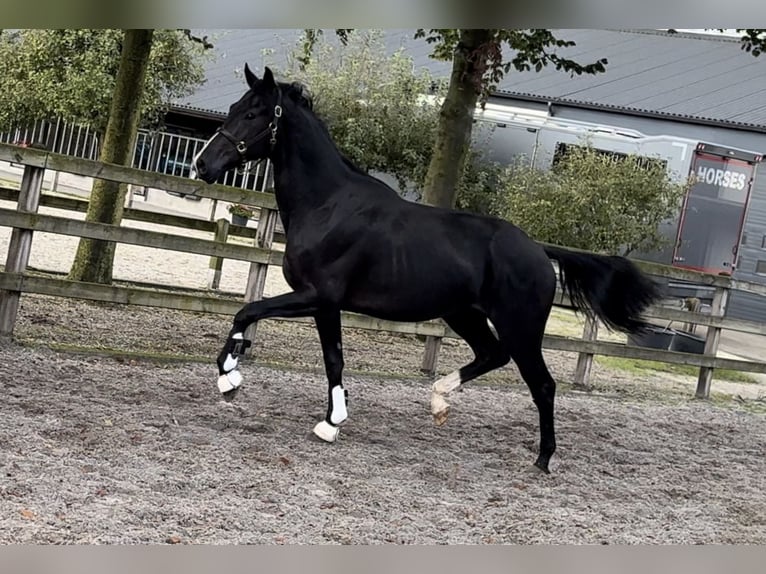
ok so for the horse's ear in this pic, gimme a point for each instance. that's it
(268, 78)
(249, 76)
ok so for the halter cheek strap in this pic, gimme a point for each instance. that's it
(271, 129)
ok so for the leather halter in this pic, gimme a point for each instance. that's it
(271, 129)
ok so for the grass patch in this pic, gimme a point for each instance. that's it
(755, 406)
(565, 323)
(642, 367)
(66, 194)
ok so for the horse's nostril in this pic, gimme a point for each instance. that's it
(201, 168)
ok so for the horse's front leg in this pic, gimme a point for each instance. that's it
(295, 304)
(329, 328)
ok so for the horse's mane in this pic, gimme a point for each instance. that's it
(350, 164)
(306, 101)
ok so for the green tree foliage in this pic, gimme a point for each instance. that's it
(589, 200)
(372, 103)
(310, 38)
(70, 73)
(481, 58)
(752, 40)
(107, 79)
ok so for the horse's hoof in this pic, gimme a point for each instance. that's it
(439, 409)
(441, 417)
(229, 396)
(541, 467)
(326, 431)
(229, 382)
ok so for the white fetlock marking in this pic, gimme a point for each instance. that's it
(326, 431)
(339, 411)
(441, 388)
(447, 384)
(229, 381)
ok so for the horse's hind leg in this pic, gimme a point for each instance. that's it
(472, 326)
(542, 386)
(521, 334)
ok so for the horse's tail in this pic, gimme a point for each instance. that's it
(611, 287)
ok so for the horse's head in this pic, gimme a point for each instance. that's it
(249, 132)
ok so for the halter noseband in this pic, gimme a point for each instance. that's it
(241, 145)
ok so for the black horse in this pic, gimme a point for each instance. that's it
(353, 244)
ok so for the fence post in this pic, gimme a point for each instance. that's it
(256, 279)
(55, 182)
(431, 355)
(213, 208)
(585, 360)
(20, 246)
(720, 298)
(216, 263)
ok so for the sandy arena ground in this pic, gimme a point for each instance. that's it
(117, 449)
(111, 451)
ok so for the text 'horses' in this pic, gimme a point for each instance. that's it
(354, 244)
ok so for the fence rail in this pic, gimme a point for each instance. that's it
(155, 150)
(142, 237)
(16, 279)
(31, 157)
(142, 215)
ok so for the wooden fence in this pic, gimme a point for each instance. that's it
(25, 219)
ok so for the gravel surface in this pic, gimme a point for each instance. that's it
(98, 450)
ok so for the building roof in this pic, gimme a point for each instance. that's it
(224, 76)
(225, 82)
(686, 76)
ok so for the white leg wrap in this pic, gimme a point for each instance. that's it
(232, 378)
(326, 431)
(229, 381)
(230, 363)
(339, 411)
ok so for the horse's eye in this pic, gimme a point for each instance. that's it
(249, 115)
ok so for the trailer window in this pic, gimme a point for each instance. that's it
(562, 149)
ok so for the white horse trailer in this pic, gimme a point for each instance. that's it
(707, 232)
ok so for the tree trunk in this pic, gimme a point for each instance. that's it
(94, 259)
(453, 135)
